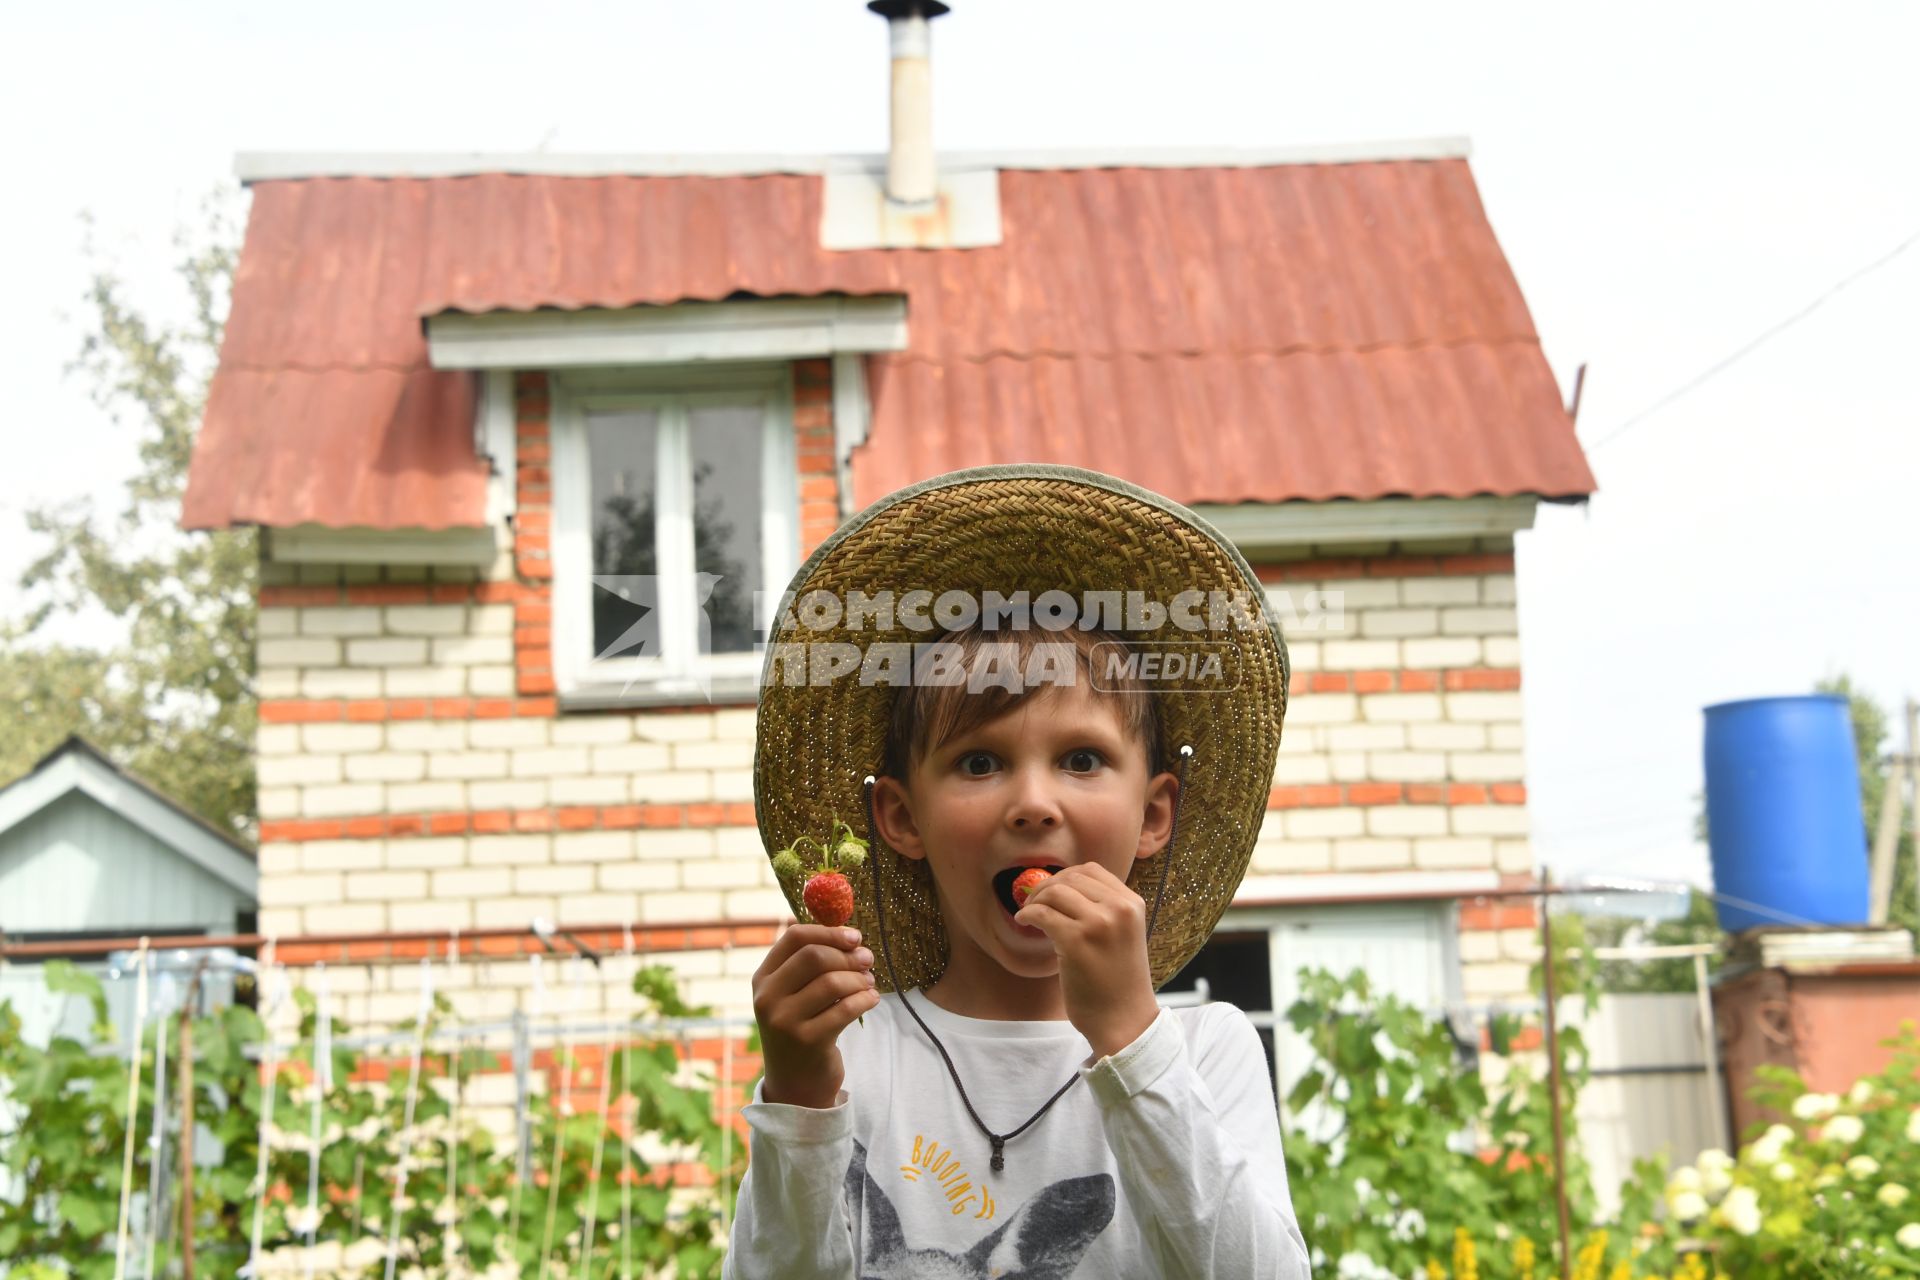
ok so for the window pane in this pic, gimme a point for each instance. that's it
(726, 447)
(620, 462)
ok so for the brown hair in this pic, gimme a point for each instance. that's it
(927, 715)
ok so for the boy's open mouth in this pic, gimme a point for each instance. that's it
(1004, 878)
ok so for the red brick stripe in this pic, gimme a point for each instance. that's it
(1367, 794)
(1489, 679)
(613, 817)
(1525, 1040)
(1497, 915)
(628, 817)
(1386, 567)
(1462, 680)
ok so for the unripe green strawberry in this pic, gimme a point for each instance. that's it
(829, 898)
(787, 864)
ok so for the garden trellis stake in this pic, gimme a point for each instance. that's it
(157, 1144)
(406, 1124)
(134, 1059)
(626, 1141)
(271, 1090)
(453, 1117)
(523, 1157)
(561, 1114)
(726, 1083)
(322, 1083)
(187, 1127)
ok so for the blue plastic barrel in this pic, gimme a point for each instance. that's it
(1783, 812)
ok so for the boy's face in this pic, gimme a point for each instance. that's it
(1055, 782)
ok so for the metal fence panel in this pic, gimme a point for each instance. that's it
(1650, 1091)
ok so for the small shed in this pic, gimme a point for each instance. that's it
(89, 851)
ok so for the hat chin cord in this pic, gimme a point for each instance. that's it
(1000, 1140)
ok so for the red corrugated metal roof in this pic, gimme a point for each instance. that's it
(1252, 334)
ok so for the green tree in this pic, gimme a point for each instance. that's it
(1870, 733)
(1700, 925)
(169, 694)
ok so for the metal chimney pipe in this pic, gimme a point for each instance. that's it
(912, 176)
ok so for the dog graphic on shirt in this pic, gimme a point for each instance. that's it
(1043, 1240)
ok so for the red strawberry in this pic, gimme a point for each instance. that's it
(829, 898)
(1029, 880)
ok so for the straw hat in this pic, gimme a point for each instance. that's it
(1007, 529)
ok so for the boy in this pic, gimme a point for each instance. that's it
(1028, 1110)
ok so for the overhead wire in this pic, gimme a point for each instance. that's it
(1754, 344)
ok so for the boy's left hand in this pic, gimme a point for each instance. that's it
(1099, 928)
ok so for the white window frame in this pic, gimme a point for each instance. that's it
(1441, 919)
(679, 674)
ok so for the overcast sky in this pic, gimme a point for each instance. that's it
(1669, 182)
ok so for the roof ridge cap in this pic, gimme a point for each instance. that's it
(279, 166)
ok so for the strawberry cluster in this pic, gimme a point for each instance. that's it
(827, 893)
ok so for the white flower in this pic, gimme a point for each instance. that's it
(1845, 1130)
(1861, 1093)
(1689, 1206)
(1908, 1237)
(1741, 1209)
(1769, 1146)
(1815, 1106)
(1358, 1266)
(1783, 1172)
(1913, 1126)
(1892, 1195)
(1716, 1172)
(1863, 1166)
(1685, 1178)
(1408, 1225)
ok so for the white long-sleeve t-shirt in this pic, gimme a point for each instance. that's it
(1161, 1161)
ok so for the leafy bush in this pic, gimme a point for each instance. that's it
(1423, 1163)
(65, 1106)
(1423, 1173)
(1830, 1193)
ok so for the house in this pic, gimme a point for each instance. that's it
(462, 395)
(89, 852)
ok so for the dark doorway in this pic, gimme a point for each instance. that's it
(1236, 969)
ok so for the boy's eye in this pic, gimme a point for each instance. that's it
(977, 763)
(1084, 760)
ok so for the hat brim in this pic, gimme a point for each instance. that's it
(1032, 528)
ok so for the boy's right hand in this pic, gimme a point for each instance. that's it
(813, 983)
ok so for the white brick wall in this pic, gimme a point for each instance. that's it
(1439, 740)
(1405, 734)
